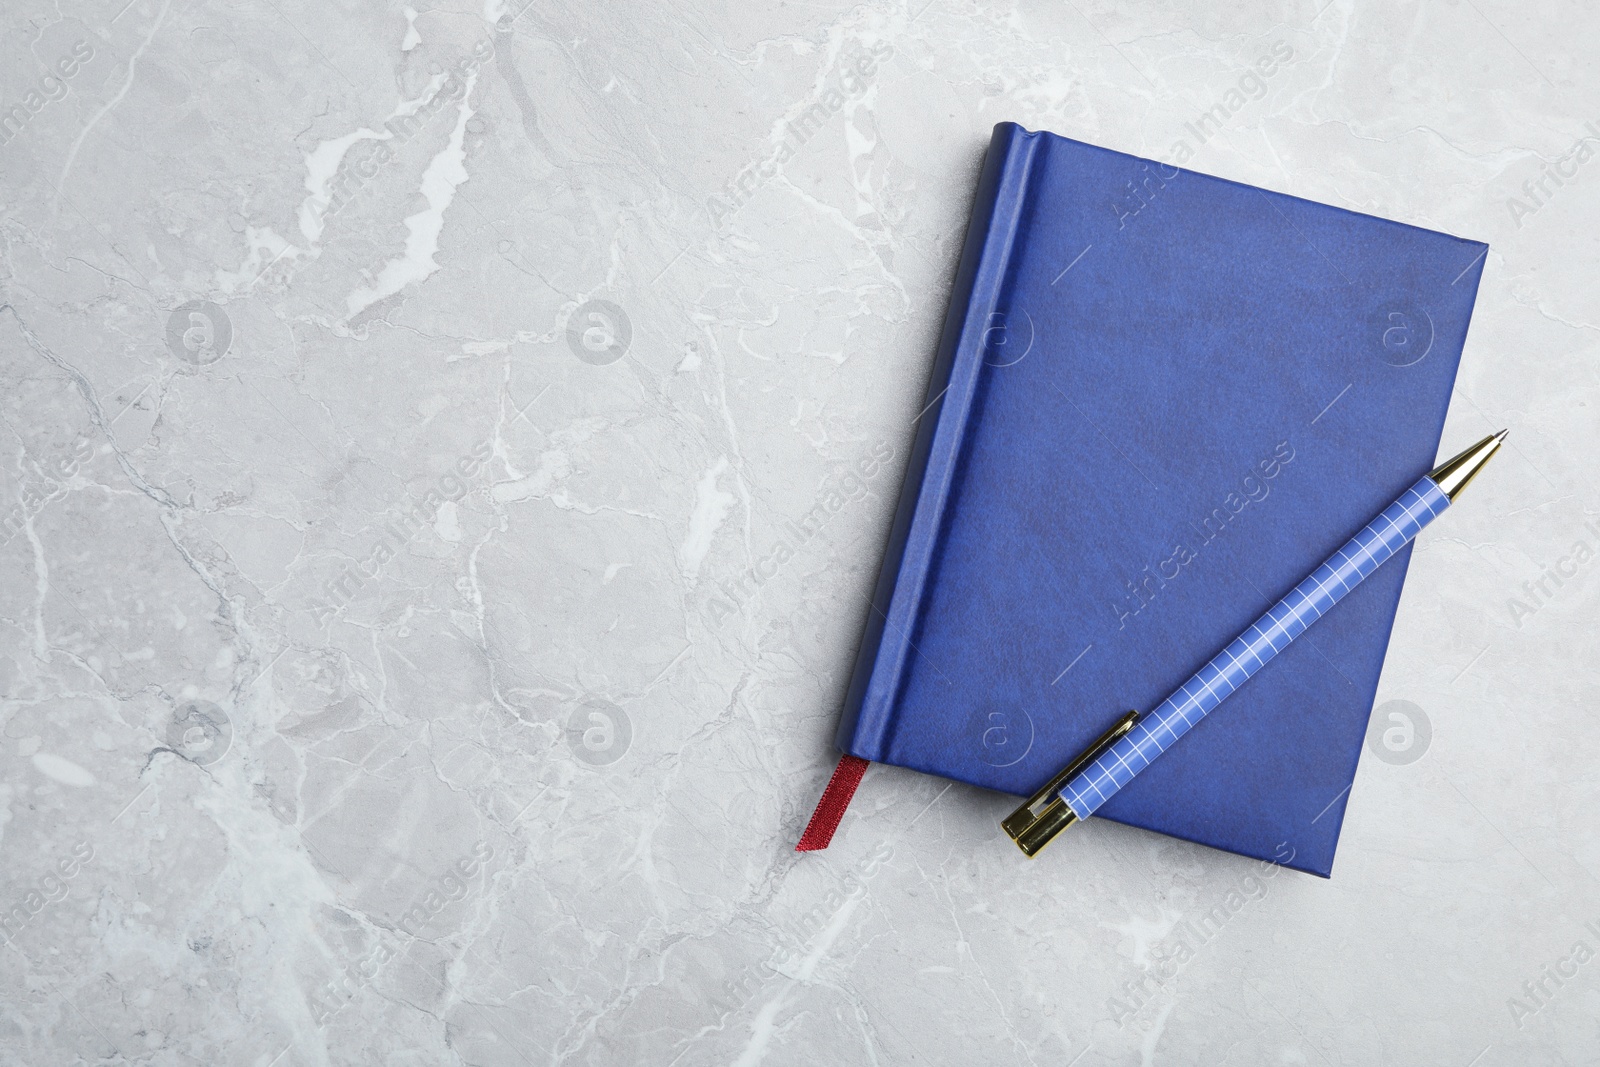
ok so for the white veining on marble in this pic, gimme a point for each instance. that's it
(444, 175)
(132, 73)
(412, 37)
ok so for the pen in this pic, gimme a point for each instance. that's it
(1132, 743)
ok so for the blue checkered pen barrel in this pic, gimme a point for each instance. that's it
(1136, 747)
(1254, 649)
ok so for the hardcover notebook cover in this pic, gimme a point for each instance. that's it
(1161, 399)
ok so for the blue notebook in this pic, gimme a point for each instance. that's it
(1160, 400)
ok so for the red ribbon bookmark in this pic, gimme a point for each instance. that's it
(835, 799)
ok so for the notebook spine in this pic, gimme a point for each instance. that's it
(871, 703)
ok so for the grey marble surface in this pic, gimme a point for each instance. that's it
(294, 776)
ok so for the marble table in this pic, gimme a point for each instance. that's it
(394, 402)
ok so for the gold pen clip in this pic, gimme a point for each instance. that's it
(1031, 829)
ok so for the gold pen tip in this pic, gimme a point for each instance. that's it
(1453, 475)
